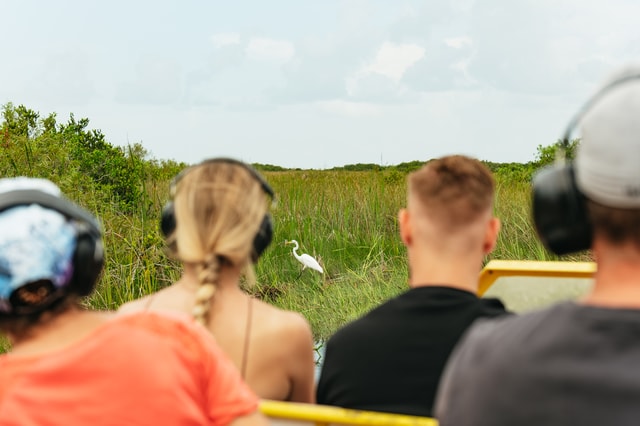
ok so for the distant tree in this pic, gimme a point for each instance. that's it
(547, 154)
(19, 121)
(512, 171)
(268, 167)
(49, 124)
(359, 167)
(408, 167)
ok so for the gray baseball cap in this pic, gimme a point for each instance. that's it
(607, 160)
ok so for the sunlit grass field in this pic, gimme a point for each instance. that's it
(347, 220)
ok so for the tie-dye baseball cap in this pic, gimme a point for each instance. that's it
(36, 244)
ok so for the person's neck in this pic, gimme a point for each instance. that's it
(617, 279)
(438, 269)
(228, 279)
(56, 332)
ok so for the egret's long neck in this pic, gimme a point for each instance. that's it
(295, 249)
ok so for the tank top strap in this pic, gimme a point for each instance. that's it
(247, 339)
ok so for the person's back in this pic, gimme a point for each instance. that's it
(576, 362)
(141, 369)
(570, 364)
(268, 346)
(391, 359)
(218, 227)
(72, 366)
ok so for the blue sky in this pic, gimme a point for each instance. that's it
(316, 84)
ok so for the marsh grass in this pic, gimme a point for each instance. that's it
(348, 221)
(4, 344)
(345, 219)
(518, 239)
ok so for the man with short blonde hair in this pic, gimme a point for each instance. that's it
(391, 359)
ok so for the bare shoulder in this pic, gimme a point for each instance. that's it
(163, 300)
(134, 305)
(285, 324)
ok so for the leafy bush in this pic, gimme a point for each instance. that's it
(547, 155)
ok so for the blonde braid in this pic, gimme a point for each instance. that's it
(208, 277)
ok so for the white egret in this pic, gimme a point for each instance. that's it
(306, 260)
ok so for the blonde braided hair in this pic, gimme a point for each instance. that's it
(207, 276)
(219, 207)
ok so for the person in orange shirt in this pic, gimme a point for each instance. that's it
(73, 366)
(217, 224)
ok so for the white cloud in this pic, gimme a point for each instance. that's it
(225, 39)
(156, 81)
(380, 80)
(458, 42)
(351, 109)
(392, 60)
(267, 49)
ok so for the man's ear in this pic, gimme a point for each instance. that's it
(404, 224)
(491, 235)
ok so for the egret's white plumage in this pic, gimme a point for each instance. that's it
(306, 260)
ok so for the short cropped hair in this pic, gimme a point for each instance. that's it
(617, 225)
(453, 190)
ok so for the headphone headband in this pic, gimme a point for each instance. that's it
(559, 207)
(265, 232)
(586, 107)
(25, 197)
(224, 160)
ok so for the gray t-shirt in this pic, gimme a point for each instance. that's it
(569, 364)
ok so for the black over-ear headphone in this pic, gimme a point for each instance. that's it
(265, 233)
(559, 208)
(88, 257)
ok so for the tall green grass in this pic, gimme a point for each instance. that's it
(4, 344)
(347, 220)
(517, 239)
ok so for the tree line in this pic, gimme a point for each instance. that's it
(80, 159)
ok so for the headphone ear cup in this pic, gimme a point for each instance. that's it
(559, 211)
(88, 260)
(168, 219)
(263, 237)
(260, 242)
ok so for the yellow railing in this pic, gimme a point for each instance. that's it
(496, 269)
(291, 413)
(295, 414)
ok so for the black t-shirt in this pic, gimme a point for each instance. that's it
(391, 359)
(566, 365)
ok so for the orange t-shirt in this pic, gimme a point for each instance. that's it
(135, 369)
